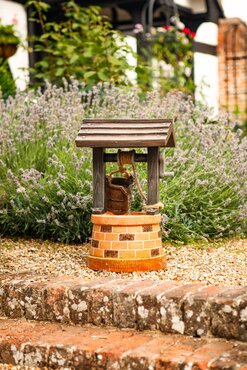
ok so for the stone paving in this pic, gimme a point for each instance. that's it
(190, 309)
(190, 316)
(55, 346)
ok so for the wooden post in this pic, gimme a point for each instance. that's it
(153, 178)
(98, 181)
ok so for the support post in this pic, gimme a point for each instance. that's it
(98, 181)
(153, 178)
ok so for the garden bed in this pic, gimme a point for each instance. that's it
(215, 263)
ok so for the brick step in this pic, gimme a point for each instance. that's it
(62, 346)
(190, 309)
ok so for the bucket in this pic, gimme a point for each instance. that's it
(118, 194)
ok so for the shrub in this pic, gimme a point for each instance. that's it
(45, 182)
(45, 186)
(7, 83)
(9, 42)
(82, 45)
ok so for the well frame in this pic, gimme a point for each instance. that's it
(132, 241)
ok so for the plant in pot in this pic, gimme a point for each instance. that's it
(169, 55)
(9, 41)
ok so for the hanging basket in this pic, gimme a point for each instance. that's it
(7, 50)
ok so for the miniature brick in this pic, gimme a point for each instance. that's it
(158, 242)
(97, 252)
(119, 245)
(134, 229)
(143, 253)
(126, 254)
(99, 236)
(111, 236)
(105, 244)
(147, 228)
(152, 235)
(119, 229)
(96, 228)
(126, 236)
(106, 229)
(149, 244)
(110, 254)
(142, 236)
(137, 244)
(95, 243)
(155, 252)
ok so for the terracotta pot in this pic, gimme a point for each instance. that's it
(7, 50)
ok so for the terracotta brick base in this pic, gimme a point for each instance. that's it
(126, 243)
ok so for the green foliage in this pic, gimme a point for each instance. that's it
(83, 45)
(9, 40)
(7, 83)
(46, 182)
(8, 35)
(54, 204)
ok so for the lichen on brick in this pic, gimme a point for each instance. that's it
(143, 312)
(177, 324)
(243, 315)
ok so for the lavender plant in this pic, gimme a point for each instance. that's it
(46, 183)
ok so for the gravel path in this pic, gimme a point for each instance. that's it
(223, 263)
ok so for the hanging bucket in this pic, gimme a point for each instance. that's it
(118, 194)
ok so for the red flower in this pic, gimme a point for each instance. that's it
(192, 34)
(166, 27)
(187, 31)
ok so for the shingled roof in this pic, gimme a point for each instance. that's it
(126, 133)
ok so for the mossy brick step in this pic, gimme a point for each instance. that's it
(190, 309)
(62, 346)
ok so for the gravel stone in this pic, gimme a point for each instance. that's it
(223, 263)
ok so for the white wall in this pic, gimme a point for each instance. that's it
(206, 67)
(197, 6)
(132, 75)
(236, 8)
(9, 12)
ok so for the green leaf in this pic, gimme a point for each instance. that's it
(59, 71)
(44, 64)
(88, 53)
(74, 58)
(89, 74)
(114, 60)
(102, 76)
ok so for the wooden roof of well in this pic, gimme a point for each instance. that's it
(126, 133)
